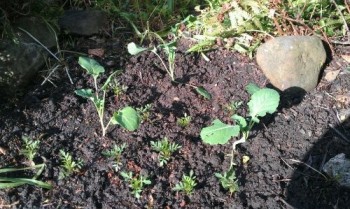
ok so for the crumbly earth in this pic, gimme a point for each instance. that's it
(287, 150)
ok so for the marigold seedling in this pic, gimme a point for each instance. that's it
(144, 112)
(135, 183)
(184, 121)
(115, 153)
(69, 166)
(187, 184)
(30, 149)
(165, 149)
(127, 117)
(228, 180)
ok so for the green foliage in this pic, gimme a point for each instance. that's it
(135, 183)
(6, 182)
(115, 153)
(165, 149)
(68, 166)
(202, 91)
(233, 106)
(242, 25)
(187, 184)
(262, 101)
(127, 117)
(228, 180)
(30, 148)
(184, 121)
(144, 112)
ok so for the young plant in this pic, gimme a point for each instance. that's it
(135, 183)
(30, 149)
(118, 89)
(169, 49)
(187, 184)
(184, 121)
(127, 117)
(165, 149)
(144, 112)
(228, 180)
(115, 153)
(262, 101)
(68, 165)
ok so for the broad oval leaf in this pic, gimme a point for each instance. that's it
(133, 49)
(263, 101)
(218, 133)
(128, 118)
(202, 91)
(85, 93)
(91, 65)
(252, 88)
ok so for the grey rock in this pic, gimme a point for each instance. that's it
(83, 22)
(339, 168)
(38, 29)
(22, 57)
(292, 61)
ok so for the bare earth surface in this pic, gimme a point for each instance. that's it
(284, 150)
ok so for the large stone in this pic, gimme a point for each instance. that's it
(338, 167)
(292, 61)
(83, 22)
(21, 57)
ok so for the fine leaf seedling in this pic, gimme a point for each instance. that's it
(184, 121)
(68, 166)
(115, 153)
(187, 184)
(165, 149)
(135, 183)
(262, 101)
(144, 112)
(228, 180)
(127, 117)
(30, 149)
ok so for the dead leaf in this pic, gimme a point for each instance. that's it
(96, 52)
(346, 57)
(331, 75)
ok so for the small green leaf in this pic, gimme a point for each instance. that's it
(133, 49)
(252, 88)
(128, 118)
(219, 133)
(91, 65)
(263, 101)
(202, 91)
(85, 93)
(241, 121)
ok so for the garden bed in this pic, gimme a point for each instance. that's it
(272, 178)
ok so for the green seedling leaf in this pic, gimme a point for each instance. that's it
(85, 93)
(219, 133)
(91, 65)
(252, 88)
(202, 91)
(263, 101)
(128, 118)
(241, 121)
(133, 49)
(14, 182)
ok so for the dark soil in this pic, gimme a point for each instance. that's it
(273, 178)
